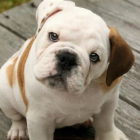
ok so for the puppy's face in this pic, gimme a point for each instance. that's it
(72, 47)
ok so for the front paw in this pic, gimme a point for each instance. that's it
(18, 130)
(115, 134)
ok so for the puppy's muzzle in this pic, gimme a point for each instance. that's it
(66, 61)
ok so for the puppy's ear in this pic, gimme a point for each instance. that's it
(50, 7)
(121, 57)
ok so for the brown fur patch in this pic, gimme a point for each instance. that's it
(104, 85)
(10, 72)
(20, 72)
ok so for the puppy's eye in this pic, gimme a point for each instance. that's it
(94, 57)
(53, 36)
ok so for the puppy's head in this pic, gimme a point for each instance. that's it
(74, 47)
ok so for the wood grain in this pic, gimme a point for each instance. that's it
(135, 3)
(21, 20)
(9, 44)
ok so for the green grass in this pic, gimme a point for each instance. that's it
(7, 4)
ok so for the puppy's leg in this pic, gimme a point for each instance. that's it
(105, 128)
(40, 127)
(18, 129)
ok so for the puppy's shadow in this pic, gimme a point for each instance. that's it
(69, 133)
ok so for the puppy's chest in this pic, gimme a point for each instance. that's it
(76, 110)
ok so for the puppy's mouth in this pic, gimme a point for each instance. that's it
(60, 76)
(58, 80)
(56, 76)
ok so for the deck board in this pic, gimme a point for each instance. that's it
(18, 24)
(9, 44)
(135, 3)
(127, 118)
(22, 23)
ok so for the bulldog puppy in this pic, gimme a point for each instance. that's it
(69, 71)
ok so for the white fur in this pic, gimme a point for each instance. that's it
(81, 32)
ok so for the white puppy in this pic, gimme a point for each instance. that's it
(69, 71)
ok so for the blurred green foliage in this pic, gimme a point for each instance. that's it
(7, 4)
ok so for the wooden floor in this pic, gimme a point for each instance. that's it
(18, 24)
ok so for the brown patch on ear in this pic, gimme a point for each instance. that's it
(104, 85)
(20, 71)
(121, 57)
(10, 72)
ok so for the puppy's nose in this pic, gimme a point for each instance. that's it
(66, 60)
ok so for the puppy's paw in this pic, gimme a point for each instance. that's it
(18, 131)
(115, 134)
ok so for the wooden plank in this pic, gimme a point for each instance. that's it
(9, 44)
(127, 118)
(121, 9)
(5, 124)
(135, 3)
(20, 20)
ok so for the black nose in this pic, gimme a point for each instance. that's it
(66, 60)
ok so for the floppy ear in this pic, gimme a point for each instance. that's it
(50, 7)
(121, 57)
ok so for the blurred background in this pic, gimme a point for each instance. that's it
(7, 4)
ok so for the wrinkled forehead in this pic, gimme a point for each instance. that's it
(62, 14)
(76, 19)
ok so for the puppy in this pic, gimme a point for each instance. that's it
(69, 71)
